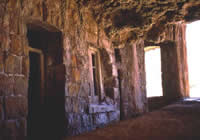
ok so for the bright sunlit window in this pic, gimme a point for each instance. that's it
(153, 71)
(193, 53)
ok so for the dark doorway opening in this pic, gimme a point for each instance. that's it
(46, 115)
(34, 96)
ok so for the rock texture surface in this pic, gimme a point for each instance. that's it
(124, 21)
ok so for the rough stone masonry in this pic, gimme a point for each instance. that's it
(56, 55)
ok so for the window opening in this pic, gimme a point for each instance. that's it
(95, 73)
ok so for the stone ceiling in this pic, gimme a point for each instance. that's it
(128, 20)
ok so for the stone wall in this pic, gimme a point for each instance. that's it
(133, 83)
(123, 90)
(174, 63)
(81, 114)
(13, 73)
(79, 32)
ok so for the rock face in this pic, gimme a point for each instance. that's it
(124, 21)
(76, 43)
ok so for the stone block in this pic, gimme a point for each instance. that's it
(68, 104)
(73, 89)
(16, 107)
(6, 22)
(1, 62)
(13, 4)
(76, 105)
(84, 90)
(25, 66)
(79, 123)
(93, 108)
(76, 75)
(10, 131)
(91, 37)
(114, 116)
(16, 45)
(13, 130)
(105, 42)
(6, 85)
(86, 121)
(20, 86)
(1, 109)
(2, 10)
(13, 64)
(60, 78)
(2, 130)
(22, 123)
(83, 107)
(14, 19)
(116, 93)
(79, 105)
(110, 92)
(74, 120)
(4, 40)
(1, 46)
(100, 119)
(111, 82)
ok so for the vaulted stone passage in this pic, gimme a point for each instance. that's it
(80, 65)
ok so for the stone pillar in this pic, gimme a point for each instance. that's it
(133, 83)
(138, 77)
(174, 64)
(180, 40)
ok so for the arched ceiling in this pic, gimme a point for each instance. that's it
(128, 20)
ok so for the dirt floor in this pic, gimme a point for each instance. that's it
(179, 121)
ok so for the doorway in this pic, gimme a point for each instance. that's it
(35, 95)
(153, 71)
(46, 112)
(193, 43)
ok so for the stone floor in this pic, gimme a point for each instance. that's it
(179, 121)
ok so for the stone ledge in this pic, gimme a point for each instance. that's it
(95, 108)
